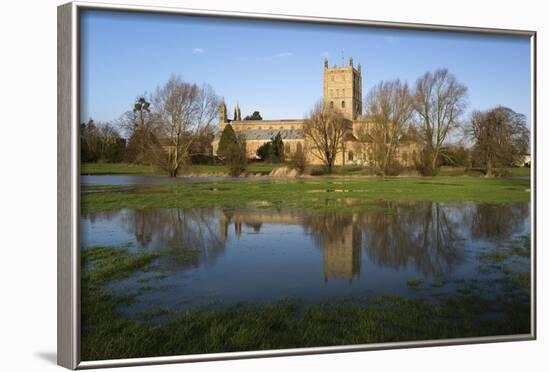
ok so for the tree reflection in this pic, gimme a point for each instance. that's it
(499, 221)
(184, 237)
(429, 237)
(421, 234)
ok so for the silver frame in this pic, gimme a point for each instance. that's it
(68, 181)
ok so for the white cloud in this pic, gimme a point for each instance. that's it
(198, 50)
(280, 55)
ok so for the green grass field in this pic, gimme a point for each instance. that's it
(521, 172)
(145, 170)
(264, 169)
(116, 168)
(312, 193)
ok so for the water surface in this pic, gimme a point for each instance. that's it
(216, 257)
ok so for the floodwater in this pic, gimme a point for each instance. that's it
(217, 257)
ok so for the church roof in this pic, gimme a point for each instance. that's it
(267, 134)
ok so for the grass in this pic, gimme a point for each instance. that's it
(507, 258)
(104, 264)
(263, 169)
(117, 168)
(320, 193)
(145, 170)
(414, 283)
(284, 324)
(521, 172)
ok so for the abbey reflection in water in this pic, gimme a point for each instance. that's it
(336, 234)
(430, 238)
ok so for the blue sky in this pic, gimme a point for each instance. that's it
(276, 67)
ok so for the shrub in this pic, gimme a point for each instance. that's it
(227, 139)
(298, 161)
(425, 165)
(235, 157)
(272, 151)
(502, 172)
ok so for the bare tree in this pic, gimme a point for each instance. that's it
(439, 101)
(389, 111)
(101, 142)
(208, 105)
(501, 137)
(182, 111)
(324, 131)
(166, 128)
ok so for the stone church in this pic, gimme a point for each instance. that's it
(342, 90)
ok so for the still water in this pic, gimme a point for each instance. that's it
(216, 257)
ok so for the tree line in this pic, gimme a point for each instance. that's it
(427, 114)
(101, 142)
(165, 129)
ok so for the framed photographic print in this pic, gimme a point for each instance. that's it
(235, 185)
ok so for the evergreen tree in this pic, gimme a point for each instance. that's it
(272, 151)
(255, 116)
(278, 148)
(227, 139)
(236, 157)
(264, 151)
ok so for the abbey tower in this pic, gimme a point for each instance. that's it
(342, 89)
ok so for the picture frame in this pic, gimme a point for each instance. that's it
(69, 188)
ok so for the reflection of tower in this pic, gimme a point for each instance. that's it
(342, 255)
(224, 224)
(238, 229)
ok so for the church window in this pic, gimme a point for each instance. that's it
(299, 147)
(405, 156)
(287, 148)
(331, 104)
(343, 104)
(350, 156)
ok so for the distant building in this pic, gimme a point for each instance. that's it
(342, 91)
(525, 161)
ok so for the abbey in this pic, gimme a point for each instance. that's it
(342, 91)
